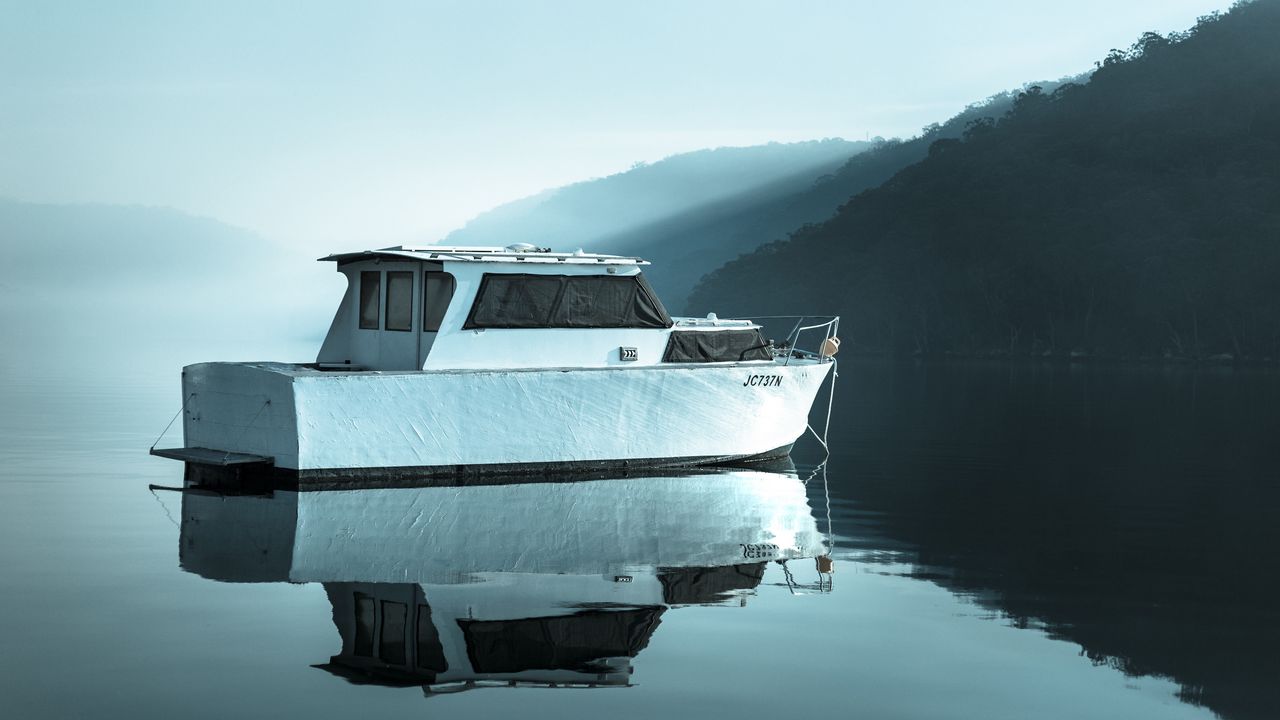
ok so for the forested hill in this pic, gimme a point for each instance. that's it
(582, 213)
(669, 211)
(686, 245)
(1136, 214)
(691, 213)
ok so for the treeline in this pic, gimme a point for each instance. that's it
(1134, 215)
(685, 245)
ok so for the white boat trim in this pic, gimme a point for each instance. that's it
(465, 361)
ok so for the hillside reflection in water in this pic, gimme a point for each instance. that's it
(1132, 511)
(1008, 541)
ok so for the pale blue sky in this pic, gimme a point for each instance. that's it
(345, 124)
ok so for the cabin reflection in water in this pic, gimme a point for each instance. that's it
(545, 583)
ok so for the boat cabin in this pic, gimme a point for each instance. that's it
(447, 308)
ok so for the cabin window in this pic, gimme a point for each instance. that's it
(399, 300)
(514, 301)
(564, 642)
(430, 652)
(364, 609)
(566, 301)
(370, 289)
(391, 646)
(436, 295)
(717, 346)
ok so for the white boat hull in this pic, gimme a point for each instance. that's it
(466, 421)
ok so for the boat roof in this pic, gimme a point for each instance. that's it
(481, 253)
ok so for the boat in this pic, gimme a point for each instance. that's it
(457, 588)
(466, 361)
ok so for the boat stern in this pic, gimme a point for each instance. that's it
(238, 413)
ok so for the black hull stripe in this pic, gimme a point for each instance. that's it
(268, 477)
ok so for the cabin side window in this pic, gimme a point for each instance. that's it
(399, 301)
(391, 645)
(370, 291)
(364, 611)
(430, 651)
(566, 301)
(437, 292)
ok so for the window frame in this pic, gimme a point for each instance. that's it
(642, 288)
(377, 305)
(363, 645)
(453, 289)
(386, 301)
(386, 632)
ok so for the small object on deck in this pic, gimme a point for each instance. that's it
(206, 456)
(830, 346)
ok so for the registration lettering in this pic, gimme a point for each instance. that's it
(763, 381)
(758, 551)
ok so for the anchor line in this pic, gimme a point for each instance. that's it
(164, 507)
(172, 420)
(826, 493)
(831, 400)
(791, 580)
(245, 429)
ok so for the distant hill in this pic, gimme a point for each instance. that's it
(691, 213)
(611, 214)
(687, 245)
(133, 273)
(1135, 214)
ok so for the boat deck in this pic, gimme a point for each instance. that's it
(207, 456)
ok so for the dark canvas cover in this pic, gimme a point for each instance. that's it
(567, 642)
(692, 346)
(688, 586)
(566, 301)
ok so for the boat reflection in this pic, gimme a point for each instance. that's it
(548, 583)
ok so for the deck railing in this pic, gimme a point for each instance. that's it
(822, 328)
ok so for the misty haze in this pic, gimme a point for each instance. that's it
(567, 360)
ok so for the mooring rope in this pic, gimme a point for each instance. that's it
(791, 580)
(245, 429)
(171, 421)
(831, 400)
(826, 493)
(164, 507)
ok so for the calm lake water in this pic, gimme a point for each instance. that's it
(1008, 542)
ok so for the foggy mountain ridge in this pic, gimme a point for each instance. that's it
(711, 206)
(141, 271)
(639, 210)
(686, 246)
(1134, 215)
(580, 213)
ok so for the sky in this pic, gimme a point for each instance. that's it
(336, 124)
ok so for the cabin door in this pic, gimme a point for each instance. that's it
(437, 293)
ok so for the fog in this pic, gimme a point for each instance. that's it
(322, 127)
(102, 281)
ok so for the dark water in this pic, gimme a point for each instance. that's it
(1008, 542)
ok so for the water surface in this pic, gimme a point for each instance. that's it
(1008, 541)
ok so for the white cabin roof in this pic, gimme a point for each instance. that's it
(482, 254)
